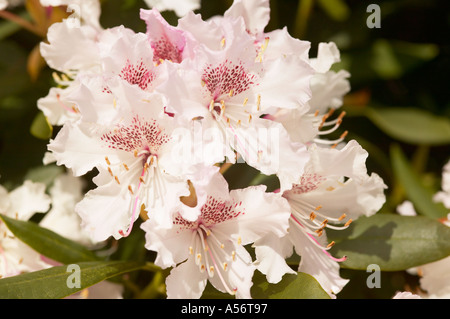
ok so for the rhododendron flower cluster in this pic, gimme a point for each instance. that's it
(159, 116)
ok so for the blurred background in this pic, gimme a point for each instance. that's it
(399, 98)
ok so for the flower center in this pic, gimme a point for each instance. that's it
(227, 78)
(212, 254)
(163, 49)
(138, 74)
(140, 137)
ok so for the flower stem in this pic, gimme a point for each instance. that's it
(301, 21)
(22, 22)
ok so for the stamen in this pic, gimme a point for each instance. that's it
(107, 160)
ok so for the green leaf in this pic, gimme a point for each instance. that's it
(56, 282)
(391, 241)
(411, 125)
(417, 193)
(40, 127)
(335, 9)
(48, 243)
(384, 61)
(300, 286)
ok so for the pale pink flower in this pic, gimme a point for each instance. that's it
(334, 189)
(125, 134)
(21, 203)
(228, 86)
(211, 248)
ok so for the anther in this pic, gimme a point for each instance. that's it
(245, 101)
(130, 189)
(312, 216)
(110, 171)
(191, 250)
(126, 166)
(117, 179)
(258, 102)
(107, 160)
(342, 217)
(348, 223)
(331, 244)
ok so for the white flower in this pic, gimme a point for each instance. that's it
(180, 7)
(406, 295)
(70, 51)
(256, 14)
(335, 189)
(444, 195)
(228, 85)
(167, 42)
(312, 123)
(85, 12)
(65, 193)
(124, 133)
(435, 279)
(21, 203)
(212, 247)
